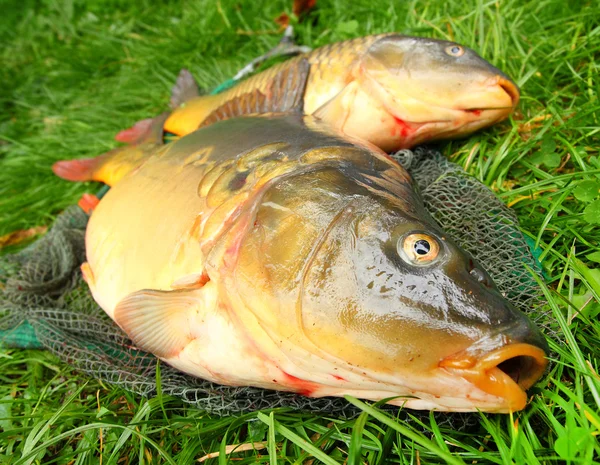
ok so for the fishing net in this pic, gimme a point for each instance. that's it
(44, 300)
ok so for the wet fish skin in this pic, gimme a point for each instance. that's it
(392, 90)
(271, 251)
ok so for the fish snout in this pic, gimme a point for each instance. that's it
(510, 88)
(505, 365)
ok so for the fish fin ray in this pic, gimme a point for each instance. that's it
(185, 89)
(111, 166)
(336, 108)
(79, 170)
(135, 133)
(284, 93)
(158, 321)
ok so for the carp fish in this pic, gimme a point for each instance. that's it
(391, 90)
(274, 251)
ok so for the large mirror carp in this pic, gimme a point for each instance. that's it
(276, 252)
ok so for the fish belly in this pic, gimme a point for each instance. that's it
(141, 235)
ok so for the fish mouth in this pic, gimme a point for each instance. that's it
(511, 89)
(499, 90)
(505, 373)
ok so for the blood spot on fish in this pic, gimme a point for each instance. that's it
(302, 387)
(339, 378)
(405, 129)
(475, 112)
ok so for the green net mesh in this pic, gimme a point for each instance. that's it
(45, 303)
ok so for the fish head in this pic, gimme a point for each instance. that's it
(396, 300)
(434, 89)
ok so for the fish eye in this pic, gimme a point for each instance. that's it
(455, 51)
(419, 249)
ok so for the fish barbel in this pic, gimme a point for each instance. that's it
(391, 90)
(275, 252)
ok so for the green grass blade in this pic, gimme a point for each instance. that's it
(412, 435)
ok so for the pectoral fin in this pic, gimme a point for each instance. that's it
(284, 93)
(336, 110)
(159, 322)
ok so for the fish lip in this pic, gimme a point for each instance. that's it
(511, 89)
(497, 80)
(505, 372)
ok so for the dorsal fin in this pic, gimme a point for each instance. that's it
(185, 89)
(284, 93)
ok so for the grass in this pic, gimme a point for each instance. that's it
(74, 73)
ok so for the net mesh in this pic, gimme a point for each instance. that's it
(41, 287)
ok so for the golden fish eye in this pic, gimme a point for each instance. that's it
(420, 249)
(455, 50)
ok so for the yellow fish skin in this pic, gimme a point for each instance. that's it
(391, 90)
(275, 252)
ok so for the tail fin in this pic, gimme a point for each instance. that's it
(108, 168)
(78, 170)
(111, 166)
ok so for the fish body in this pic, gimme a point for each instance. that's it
(275, 252)
(390, 90)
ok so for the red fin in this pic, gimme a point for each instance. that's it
(88, 202)
(137, 132)
(77, 170)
